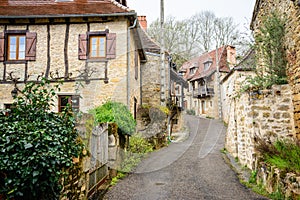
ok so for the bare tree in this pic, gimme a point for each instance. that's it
(191, 37)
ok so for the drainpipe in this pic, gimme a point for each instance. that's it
(128, 62)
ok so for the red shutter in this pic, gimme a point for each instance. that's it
(30, 53)
(111, 45)
(2, 40)
(82, 47)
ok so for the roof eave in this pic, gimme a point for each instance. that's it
(67, 15)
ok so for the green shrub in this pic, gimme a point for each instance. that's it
(118, 113)
(284, 154)
(139, 145)
(271, 61)
(190, 112)
(36, 144)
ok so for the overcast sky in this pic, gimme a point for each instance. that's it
(239, 10)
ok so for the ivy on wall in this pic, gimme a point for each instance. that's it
(37, 145)
(271, 61)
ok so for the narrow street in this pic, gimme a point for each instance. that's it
(193, 169)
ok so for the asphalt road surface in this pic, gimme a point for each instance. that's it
(192, 169)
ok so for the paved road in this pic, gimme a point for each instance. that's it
(193, 169)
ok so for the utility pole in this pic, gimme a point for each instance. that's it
(162, 57)
(218, 84)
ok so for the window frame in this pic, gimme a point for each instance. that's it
(97, 34)
(70, 97)
(30, 44)
(100, 47)
(17, 51)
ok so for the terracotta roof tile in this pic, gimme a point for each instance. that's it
(199, 61)
(24, 8)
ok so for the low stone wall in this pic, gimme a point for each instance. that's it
(264, 114)
(274, 179)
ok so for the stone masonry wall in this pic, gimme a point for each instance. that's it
(266, 114)
(94, 92)
(291, 12)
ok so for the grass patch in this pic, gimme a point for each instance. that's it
(284, 154)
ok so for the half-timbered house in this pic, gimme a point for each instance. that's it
(92, 46)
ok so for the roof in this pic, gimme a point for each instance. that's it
(42, 8)
(199, 63)
(255, 13)
(246, 64)
(148, 44)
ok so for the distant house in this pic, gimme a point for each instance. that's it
(201, 74)
(155, 87)
(90, 45)
(232, 83)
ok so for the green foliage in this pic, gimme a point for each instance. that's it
(252, 179)
(190, 112)
(271, 58)
(139, 145)
(118, 113)
(36, 145)
(284, 154)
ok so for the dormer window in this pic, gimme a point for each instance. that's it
(192, 70)
(207, 64)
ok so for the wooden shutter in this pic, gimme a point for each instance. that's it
(82, 47)
(30, 53)
(111, 45)
(2, 41)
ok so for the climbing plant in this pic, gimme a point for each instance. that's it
(271, 59)
(37, 145)
(116, 112)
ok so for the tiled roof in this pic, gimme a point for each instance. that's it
(26, 8)
(199, 61)
(148, 44)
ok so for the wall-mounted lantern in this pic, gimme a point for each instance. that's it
(14, 93)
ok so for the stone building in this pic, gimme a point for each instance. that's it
(92, 46)
(202, 76)
(290, 10)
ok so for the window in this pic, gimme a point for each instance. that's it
(8, 108)
(97, 47)
(66, 100)
(207, 65)
(17, 46)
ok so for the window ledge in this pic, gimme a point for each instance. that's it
(97, 60)
(15, 62)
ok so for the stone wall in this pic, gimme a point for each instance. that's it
(291, 11)
(275, 179)
(264, 114)
(151, 80)
(93, 92)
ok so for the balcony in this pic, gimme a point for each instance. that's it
(203, 92)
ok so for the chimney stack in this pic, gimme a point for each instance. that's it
(143, 22)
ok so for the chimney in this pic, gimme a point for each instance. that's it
(143, 22)
(231, 56)
(123, 2)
